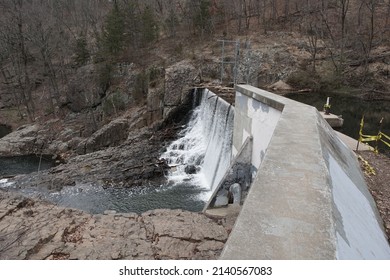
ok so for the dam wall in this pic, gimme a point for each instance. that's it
(308, 199)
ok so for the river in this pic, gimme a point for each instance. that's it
(352, 109)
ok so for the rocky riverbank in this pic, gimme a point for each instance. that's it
(135, 162)
(32, 229)
(123, 153)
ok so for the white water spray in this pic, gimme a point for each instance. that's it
(202, 154)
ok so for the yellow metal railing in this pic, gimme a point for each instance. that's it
(371, 138)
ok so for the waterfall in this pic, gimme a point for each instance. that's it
(198, 160)
(202, 153)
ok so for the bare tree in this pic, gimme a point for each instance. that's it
(14, 38)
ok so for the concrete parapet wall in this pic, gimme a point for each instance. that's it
(309, 199)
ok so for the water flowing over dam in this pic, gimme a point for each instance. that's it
(203, 152)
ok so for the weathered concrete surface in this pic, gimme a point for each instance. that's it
(257, 119)
(309, 199)
(31, 229)
(239, 173)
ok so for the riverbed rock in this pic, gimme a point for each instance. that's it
(33, 229)
(190, 169)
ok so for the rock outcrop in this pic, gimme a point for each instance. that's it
(21, 141)
(111, 134)
(83, 90)
(178, 77)
(135, 162)
(31, 229)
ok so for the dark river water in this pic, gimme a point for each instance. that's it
(4, 130)
(11, 166)
(352, 109)
(95, 198)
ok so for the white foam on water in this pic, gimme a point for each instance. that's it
(5, 184)
(204, 146)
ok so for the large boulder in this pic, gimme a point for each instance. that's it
(21, 141)
(280, 86)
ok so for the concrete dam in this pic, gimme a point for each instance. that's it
(299, 188)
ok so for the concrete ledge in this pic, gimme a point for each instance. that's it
(333, 120)
(308, 199)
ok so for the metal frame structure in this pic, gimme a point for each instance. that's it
(234, 61)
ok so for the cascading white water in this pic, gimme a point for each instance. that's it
(199, 160)
(202, 154)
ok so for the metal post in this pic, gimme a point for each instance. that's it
(249, 54)
(237, 52)
(223, 58)
(379, 135)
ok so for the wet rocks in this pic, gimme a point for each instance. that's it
(31, 229)
(190, 169)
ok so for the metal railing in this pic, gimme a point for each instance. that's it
(373, 138)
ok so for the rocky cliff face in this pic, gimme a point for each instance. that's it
(31, 229)
(178, 78)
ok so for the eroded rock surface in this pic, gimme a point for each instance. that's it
(133, 163)
(32, 229)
